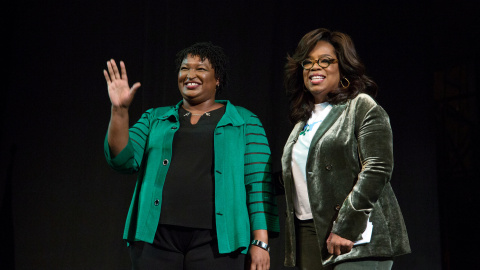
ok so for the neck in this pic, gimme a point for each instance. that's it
(205, 106)
(320, 99)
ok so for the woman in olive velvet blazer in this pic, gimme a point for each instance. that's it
(337, 163)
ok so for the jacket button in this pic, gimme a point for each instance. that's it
(157, 202)
(337, 207)
(165, 162)
(329, 167)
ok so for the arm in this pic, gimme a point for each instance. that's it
(121, 96)
(260, 192)
(259, 257)
(375, 151)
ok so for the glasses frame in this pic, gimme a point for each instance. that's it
(330, 61)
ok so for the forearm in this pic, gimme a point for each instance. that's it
(118, 130)
(261, 235)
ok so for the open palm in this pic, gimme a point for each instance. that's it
(120, 93)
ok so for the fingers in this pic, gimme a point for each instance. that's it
(124, 70)
(345, 249)
(329, 244)
(134, 88)
(110, 69)
(259, 266)
(337, 250)
(337, 245)
(330, 248)
(107, 78)
(113, 70)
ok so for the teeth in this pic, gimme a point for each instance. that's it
(190, 84)
(317, 77)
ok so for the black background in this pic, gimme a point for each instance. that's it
(62, 207)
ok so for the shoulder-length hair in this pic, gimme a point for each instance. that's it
(302, 101)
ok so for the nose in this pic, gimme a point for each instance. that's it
(316, 65)
(191, 74)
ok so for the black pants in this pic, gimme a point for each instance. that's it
(179, 248)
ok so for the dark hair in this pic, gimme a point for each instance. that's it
(214, 54)
(302, 102)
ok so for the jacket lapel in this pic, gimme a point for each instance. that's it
(326, 124)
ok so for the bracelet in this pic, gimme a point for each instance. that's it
(261, 244)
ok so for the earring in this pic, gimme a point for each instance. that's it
(344, 78)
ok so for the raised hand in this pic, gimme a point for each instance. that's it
(120, 93)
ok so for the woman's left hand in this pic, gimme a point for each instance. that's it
(338, 245)
(259, 258)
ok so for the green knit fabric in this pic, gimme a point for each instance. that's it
(244, 195)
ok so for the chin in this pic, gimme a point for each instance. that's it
(315, 92)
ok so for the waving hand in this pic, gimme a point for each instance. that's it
(120, 93)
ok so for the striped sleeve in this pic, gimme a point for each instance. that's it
(130, 158)
(261, 200)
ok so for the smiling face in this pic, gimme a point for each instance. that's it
(196, 80)
(321, 81)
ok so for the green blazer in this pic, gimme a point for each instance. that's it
(349, 165)
(244, 196)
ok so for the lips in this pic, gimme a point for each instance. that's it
(191, 85)
(316, 78)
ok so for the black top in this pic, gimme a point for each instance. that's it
(188, 192)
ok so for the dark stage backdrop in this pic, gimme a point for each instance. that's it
(61, 205)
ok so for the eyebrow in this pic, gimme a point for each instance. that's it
(199, 64)
(322, 56)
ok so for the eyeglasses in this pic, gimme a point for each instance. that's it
(322, 62)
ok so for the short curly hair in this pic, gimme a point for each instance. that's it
(302, 102)
(215, 55)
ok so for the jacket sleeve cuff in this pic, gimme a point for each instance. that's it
(351, 223)
(119, 161)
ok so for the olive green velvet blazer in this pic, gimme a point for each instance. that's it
(349, 165)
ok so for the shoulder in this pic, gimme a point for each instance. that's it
(247, 115)
(364, 103)
(244, 112)
(364, 100)
(365, 107)
(159, 111)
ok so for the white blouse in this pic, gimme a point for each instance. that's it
(299, 160)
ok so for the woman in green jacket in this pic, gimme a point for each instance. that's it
(203, 197)
(337, 162)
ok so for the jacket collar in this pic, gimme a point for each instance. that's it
(331, 118)
(231, 116)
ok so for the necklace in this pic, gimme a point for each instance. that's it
(195, 114)
(188, 113)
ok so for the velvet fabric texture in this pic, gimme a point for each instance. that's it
(349, 165)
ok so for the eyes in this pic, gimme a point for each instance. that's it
(322, 62)
(184, 68)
